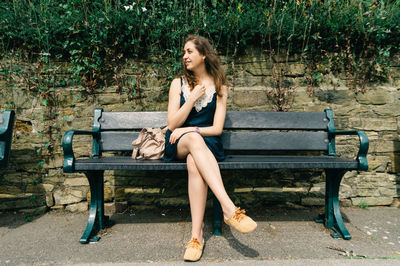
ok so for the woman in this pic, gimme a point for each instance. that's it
(196, 115)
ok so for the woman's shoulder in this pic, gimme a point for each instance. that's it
(176, 81)
(176, 84)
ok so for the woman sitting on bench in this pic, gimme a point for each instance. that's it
(196, 116)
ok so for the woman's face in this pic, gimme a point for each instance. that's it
(192, 59)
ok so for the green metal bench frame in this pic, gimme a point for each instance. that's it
(6, 131)
(244, 131)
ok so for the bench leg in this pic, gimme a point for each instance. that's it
(217, 217)
(332, 218)
(97, 221)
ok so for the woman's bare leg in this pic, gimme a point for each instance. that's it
(197, 197)
(193, 144)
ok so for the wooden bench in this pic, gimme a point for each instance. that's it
(6, 131)
(246, 135)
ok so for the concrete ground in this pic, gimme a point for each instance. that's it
(158, 237)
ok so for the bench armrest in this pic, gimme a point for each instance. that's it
(69, 158)
(7, 122)
(363, 149)
(3, 130)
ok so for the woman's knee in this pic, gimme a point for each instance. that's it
(194, 140)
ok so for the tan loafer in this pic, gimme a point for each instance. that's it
(241, 222)
(194, 250)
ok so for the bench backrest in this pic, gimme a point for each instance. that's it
(243, 130)
(6, 131)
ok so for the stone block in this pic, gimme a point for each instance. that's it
(373, 124)
(384, 146)
(119, 194)
(10, 190)
(299, 190)
(48, 187)
(294, 206)
(57, 207)
(21, 201)
(121, 206)
(35, 188)
(76, 193)
(317, 190)
(375, 97)
(74, 182)
(55, 161)
(140, 200)
(173, 201)
(109, 208)
(65, 198)
(135, 190)
(257, 68)
(395, 203)
(369, 191)
(395, 166)
(106, 99)
(372, 201)
(378, 163)
(244, 97)
(340, 97)
(312, 201)
(108, 194)
(268, 189)
(387, 191)
(77, 207)
(387, 110)
(49, 199)
(34, 211)
(302, 97)
(243, 190)
(151, 190)
(346, 191)
(245, 199)
(14, 178)
(58, 172)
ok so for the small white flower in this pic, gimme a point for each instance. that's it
(128, 7)
(144, 9)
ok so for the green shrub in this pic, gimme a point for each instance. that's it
(94, 35)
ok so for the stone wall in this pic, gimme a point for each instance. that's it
(34, 181)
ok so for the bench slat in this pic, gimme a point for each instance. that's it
(234, 120)
(132, 120)
(232, 162)
(269, 141)
(276, 120)
(276, 141)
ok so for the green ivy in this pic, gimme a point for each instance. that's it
(96, 35)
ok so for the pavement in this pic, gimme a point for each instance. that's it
(157, 237)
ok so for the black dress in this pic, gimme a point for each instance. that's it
(201, 118)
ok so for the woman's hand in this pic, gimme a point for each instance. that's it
(177, 133)
(197, 92)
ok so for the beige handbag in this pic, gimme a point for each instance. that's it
(150, 144)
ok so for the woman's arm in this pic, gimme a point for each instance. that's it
(219, 116)
(177, 114)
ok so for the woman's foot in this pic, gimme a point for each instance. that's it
(241, 222)
(194, 250)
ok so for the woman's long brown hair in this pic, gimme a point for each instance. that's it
(213, 65)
